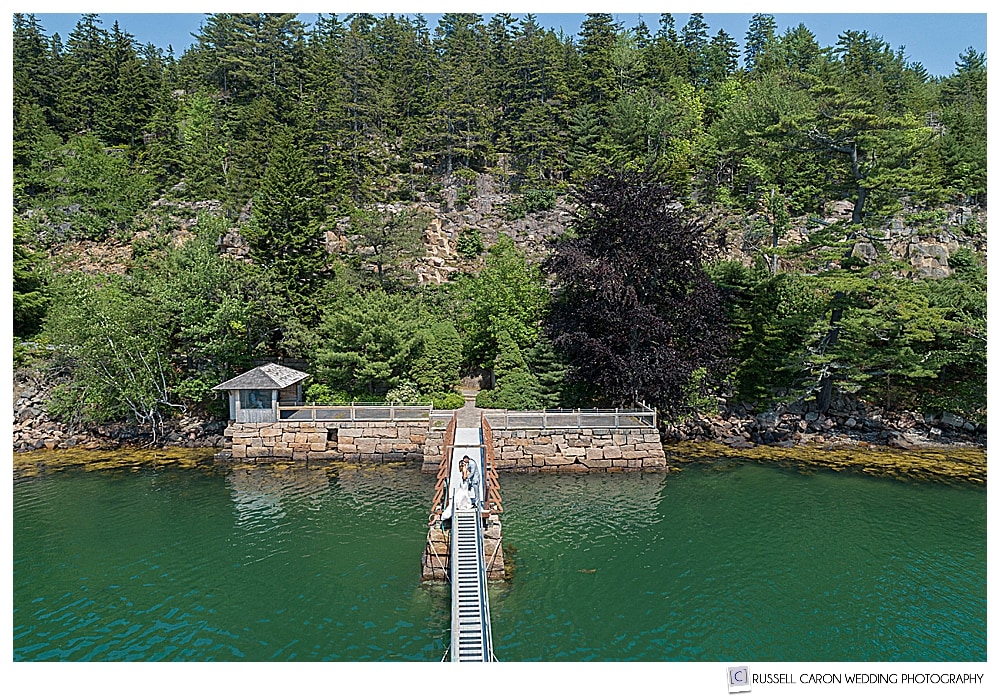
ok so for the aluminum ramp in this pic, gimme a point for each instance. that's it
(471, 635)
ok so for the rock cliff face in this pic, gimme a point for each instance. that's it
(454, 206)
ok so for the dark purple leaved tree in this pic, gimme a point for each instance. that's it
(634, 311)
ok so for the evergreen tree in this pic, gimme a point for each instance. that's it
(759, 40)
(598, 37)
(368, 342)
(460, 121)
(722, 57)
(395, 241)
(30, 298)
(550, 370)
(438, 358)
(284, 232)
(515, 387)
(963, 112)
(87, 72)
(694, 36)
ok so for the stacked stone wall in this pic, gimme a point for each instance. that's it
(346, 441)
(433, 450)
(582, 450)
(517, 450)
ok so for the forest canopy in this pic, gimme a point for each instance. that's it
(288, 130)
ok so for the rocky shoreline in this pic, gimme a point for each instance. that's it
(35, 429)
(845, 425)
(796, 425)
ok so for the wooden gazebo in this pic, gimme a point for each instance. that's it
(254, 395)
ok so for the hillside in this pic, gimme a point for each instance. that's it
(626, 215)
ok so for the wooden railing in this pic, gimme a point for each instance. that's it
(493, 503)
(444, 469)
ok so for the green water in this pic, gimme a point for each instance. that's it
(748, 563)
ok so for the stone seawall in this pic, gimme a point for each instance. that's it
(583, 450)
(433, 450)
(347, 441)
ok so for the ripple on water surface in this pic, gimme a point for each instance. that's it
(741, 563)
(281, 563)
(727, 562)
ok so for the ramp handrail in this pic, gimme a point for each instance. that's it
(444, 469)
(493, 503)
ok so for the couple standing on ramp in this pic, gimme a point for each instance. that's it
(467, 494)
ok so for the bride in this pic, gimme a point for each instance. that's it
(463, 502)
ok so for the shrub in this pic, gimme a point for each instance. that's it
(405, 392)
(539, 200)
(470, 243)
(515, 209)
(446, 400)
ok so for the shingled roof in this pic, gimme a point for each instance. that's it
(264, 377)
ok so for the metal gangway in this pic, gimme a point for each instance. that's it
(471, 635)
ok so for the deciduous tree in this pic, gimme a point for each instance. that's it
(634, 311)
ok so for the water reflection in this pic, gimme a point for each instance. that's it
(259, 490)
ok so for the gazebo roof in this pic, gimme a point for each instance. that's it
(264, 377)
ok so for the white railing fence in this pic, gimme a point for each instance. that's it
(355, 411)
(641, 416)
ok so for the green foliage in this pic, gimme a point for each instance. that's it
(30, 296)
(405, 392)
(516, 387)
(550, 369)
(531, 201)
(773, 317)
(470, 243)
(367, 342)
(284, 232)
(446, 400)
(698, 393)
(312, 124)
(437, 356)
(115, 346)
(318, 393)
(507, 296)
(91, 189)
(389, 243)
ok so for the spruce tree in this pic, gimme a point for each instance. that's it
(284, 230)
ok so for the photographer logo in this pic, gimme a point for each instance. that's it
(739, 679)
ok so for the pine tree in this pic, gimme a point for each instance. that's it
(759, 40)
(598, 34)
(722, 57)
(435, 367)
(515, 387)
(694, 37)
(87, 69)
(459, 122)
(30, 296)
(284, 232)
